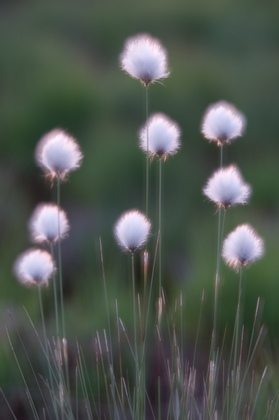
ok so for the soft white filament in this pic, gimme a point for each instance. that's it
(144, 58)
(48, 223)
(132, 230)
(160, 136)
(34, 266)
(242, 246)
(226, 187)
(58, 154)
(222, 122)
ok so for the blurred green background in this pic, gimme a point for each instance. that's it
(59, 67)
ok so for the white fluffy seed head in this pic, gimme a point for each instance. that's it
(222, 122)
(34, 267)
(48, 223)
(227, 188)
(132, 230)
(57, 154)
(160, 136)
(242, 246)
(144, 58)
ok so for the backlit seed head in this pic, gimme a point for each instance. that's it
(242, 247)
(160, 136)
(144, 58)
(48, 223)
(34, 267)
(58, 153)
(132, 230)
(227, 188)
(222, 122)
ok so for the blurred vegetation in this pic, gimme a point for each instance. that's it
(59, 67)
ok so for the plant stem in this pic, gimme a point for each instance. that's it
(47, 350)
(60, 263)
(221, 155)
(147, 153)
(160, 227)
(66, 389)
(237, 320)
(55, 294)
(220, 230)
(138, 384)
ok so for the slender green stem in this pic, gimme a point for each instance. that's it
(47, 350)
(145, 276)
(147, 153)
(221, 155)
(106, 293)
(60, 263)
(55, 295)
(159, 398)
(138, 379)
(221, 216)
(238, 320)
(147, 314)
(237, 389)
(160, 227)
(66, 389)
(43, 322)
(109, 325)
(220, 234)
(134, 309)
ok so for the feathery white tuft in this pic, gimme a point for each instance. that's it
(57, 154)
(226, 187)
(160, 136)
(222, 122)
(144, 58)
(48, 223)
(34, 267)
(242, 246)
(132, 230)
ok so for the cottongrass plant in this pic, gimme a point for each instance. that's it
(58, 154)
(160, 137)
(34, 268)
(225, 188)
(240, 248)
(131, 232)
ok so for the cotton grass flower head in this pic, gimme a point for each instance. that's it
(227, 188)
(132, 230)
(48, 223)
(242, 246)
(58, 153)
(160, 136)
(144, 58)
(222, 122)
(34, 267)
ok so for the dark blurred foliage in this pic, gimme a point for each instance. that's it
(59, 67)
